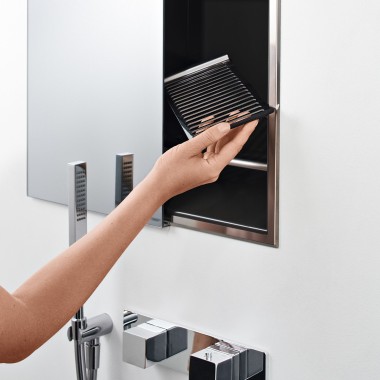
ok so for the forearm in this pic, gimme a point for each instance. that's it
(57, 290)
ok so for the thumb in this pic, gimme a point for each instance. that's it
(208, 137)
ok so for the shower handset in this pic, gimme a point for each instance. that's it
(84, 332)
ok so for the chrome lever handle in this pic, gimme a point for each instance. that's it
(96, 327)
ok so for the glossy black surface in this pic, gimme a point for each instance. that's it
(197, 31)
(239, 197)
(204, 370)
(200, 30)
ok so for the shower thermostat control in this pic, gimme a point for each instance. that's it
(225, 361)
(147, 342)
(152, 342)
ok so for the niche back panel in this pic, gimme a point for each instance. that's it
(243, 203)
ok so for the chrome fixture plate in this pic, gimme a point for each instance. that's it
(180, 362)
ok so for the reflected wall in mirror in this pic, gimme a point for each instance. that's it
(148, 342)
(94, 91)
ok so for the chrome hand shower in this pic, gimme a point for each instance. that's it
(85, 333)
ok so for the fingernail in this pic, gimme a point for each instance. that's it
(224, 127)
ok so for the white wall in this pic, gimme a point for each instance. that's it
(313, 304)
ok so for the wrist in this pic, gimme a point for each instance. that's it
(155, 189)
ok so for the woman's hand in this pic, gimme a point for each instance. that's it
(185, 166)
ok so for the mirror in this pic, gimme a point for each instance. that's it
(94, 91)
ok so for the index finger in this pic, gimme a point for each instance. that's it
(233, 147)
(206, 138)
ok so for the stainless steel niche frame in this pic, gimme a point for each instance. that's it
(269, 237)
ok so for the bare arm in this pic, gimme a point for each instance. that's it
(61, 287)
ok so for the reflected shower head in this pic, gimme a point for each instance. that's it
(124, 176)
(77, 200)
